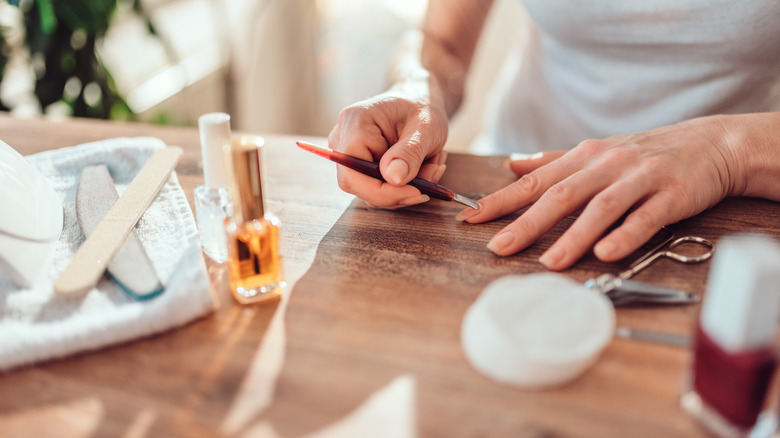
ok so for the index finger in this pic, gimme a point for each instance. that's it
(520, 194)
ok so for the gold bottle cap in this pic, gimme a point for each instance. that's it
(247, 186)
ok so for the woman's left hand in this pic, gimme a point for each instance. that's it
(658, 177)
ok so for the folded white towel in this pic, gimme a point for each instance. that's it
(36, 324)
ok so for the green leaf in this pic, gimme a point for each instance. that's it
(48, 17)
(91, 15)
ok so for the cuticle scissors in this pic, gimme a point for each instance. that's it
(621, 290)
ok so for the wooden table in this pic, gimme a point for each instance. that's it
(366, 340)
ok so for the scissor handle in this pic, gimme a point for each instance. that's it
(672, 255)
(689, 259)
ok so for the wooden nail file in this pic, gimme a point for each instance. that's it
(130, 267)
(92, 258)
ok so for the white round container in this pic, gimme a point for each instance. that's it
(537, 330)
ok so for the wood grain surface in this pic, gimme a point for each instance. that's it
(366, 341)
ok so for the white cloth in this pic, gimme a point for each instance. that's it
(606, 67)
(37, 324)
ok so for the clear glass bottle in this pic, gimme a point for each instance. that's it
(254, 262)
(212, 208)
(212, 198)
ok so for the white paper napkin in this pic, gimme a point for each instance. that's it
(36, 324)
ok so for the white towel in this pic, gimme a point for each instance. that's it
(36, 324)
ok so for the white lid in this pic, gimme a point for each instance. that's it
(31, 219)
(741, 306)
(214, 135)
(31, 208)
(537, 330)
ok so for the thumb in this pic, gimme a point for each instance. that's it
(401, 163)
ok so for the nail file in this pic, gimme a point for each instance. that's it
(92, 258)
(130, 267)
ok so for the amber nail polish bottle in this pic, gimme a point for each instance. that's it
(254, 262)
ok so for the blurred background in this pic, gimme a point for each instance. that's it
(277, 66)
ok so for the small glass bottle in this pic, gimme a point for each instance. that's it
(733, 356)
(254, 262)
(212, 198)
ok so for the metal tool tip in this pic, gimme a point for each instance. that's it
(466, 201)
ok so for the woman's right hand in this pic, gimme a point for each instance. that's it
(405, 131)
(405, 128)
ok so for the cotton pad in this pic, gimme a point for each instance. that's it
(537, 330)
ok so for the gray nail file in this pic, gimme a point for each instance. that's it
(130, 267)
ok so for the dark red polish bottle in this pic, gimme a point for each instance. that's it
(734, 360)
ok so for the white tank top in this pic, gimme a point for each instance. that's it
(592, 69)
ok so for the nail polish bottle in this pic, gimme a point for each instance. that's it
(254, 262)
(212, 198)
(733, 355)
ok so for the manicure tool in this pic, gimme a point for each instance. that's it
(372, 169)
(95, 253)
(621, 290)
(663, 338)
(130, 267)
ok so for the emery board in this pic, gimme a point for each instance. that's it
(130, 267)
(92, 258)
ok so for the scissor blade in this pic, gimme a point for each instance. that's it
(636, 291)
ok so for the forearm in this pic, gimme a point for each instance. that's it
(433, 62)
(755, 142)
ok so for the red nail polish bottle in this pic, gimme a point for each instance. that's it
(733, 358)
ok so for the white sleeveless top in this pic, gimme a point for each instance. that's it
(596, 68)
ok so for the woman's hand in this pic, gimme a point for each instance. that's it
(658, 177)
(405, 128)
(402, 130)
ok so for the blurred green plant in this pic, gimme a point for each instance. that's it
(61, 36)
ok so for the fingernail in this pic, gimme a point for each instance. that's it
(517, 156)
(414, 200)
(501, 241)
(467, 213)
(552, 256)
(396, 171)
(507, 164)
(605, 249)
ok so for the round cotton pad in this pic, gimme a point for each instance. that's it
(537, 330)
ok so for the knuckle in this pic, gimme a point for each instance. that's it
(415, 149)
(607, 204)
(349, 113)
(591, 146)
(358, 114)
(645, 220)
(655, 164)
(528, 183)
(561, 194)
(334, 138)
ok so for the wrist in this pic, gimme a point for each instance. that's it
(754, 144)
(425, 67)
(423, 88)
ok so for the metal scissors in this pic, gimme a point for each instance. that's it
(621, 290)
